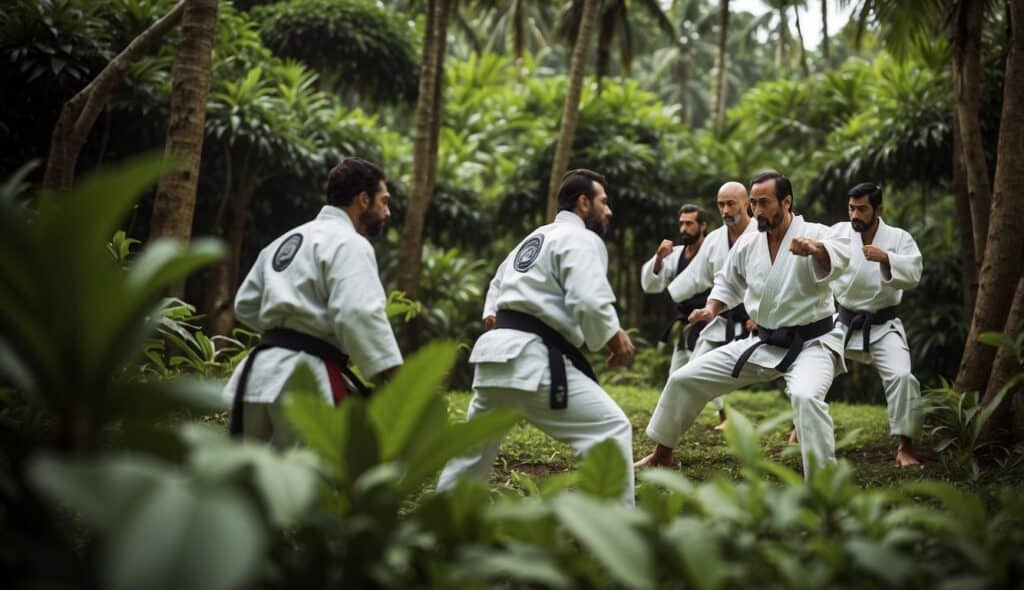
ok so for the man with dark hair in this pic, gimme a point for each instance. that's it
(549, 297)
(668, 262)
(734, 206)
(782, 275)
(868, 293)
(316, 296)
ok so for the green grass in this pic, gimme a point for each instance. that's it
(703, 453)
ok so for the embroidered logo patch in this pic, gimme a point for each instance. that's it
(286, 252)
(528, 253)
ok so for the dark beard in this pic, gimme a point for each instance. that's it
(596, 223)
(373, 226)
(861, 227)
(687, 239)
(763, 225)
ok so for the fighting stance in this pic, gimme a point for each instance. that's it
(868, 294)
(782, 275)
(550, 296)
(666, 264)
(316, 295)
(732, 324)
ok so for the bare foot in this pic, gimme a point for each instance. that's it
(793, 440)
(661, 457)
(905, 456)
(721, 425)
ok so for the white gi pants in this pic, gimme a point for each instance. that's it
(591, 417)
(266, 422)
(890, 355)
(681, 357)
(710, 375)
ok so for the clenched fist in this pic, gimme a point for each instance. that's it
(876, 254)
(803, 246)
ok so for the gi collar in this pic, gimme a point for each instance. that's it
(330, 212)
(569, 217)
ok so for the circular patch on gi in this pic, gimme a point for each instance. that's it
(286, 252)
(528, 253)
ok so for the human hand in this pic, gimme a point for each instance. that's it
(804, 246)
(704, 314)
(751, 325)
(621, 350)
(664, 249)
(489, 321)
(876, 254)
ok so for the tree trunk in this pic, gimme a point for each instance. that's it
(424, 160)
(1000, 425)
(781, 57)
(1005, 244)
(220, 298)
(800, 38)
(966, 42)
(968, 257)
(570, 114)
(175, 200)
(720, 65)
(79, 114)
(826, 58)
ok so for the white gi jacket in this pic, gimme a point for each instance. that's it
(699, 276)
(558, 274)
(863, 288)
(793, 291)
(327, 285)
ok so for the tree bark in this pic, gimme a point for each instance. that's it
(781, 56)
(968, 258)
(1005, 243)
(174, 205)
(720, 65)
(1000, 425)
(800, 37)
(78, 116)
(424, 160)
(826, 58)
(220, 297)
(684, 85)
(966, 41)
(570, 114)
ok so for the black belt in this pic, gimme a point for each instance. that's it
(687, 338)
(790, 337)
(856, 320)
(291, 340)
(736, 315)
(557, 346)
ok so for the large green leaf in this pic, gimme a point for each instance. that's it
(520, 563)
(398, 407)
(322, 427)
(606, 531)
(604, 471)
(695, 543)
(742, 438)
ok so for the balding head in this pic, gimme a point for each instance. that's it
(733, 203)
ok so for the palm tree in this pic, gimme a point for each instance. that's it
(824, 35)
(515, 23)
(425, 141)
(175, 200)
(673, 66)
(614, 24)
(800, 38)
(570, 114)
(720, 66)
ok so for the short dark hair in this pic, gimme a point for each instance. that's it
(702, 216)
(783, 188)
(349, 178)
(867, 189)
(576, 182)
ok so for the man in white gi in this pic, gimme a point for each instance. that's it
(550, 296)
(782, 275)
(316, 296)
(668, 262)
(698, 277)
(868, 293)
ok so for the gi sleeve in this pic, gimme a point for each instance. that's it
(695, 278)
(491, 300)
(583, 271)
(904, 264)
(730, 284)
(249, 298)
(837, 244)
(356, 306)
(652, 282)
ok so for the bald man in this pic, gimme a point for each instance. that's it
(699, 276)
